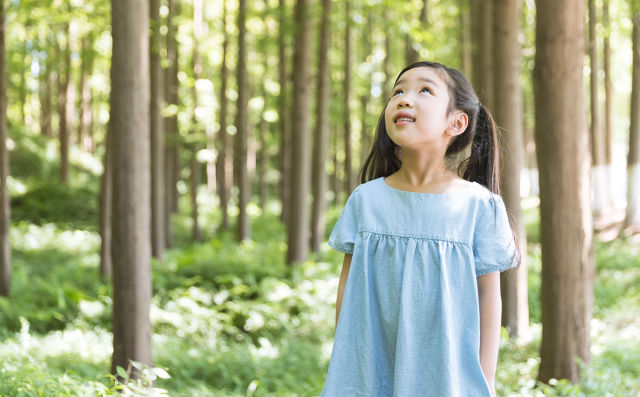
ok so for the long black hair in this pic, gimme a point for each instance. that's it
(482, 164)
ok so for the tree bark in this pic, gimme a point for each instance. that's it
(5, 249)
(195, 165)
(565, 208)
(598, 170)
(465, 38)
(241, 138)
(283, 114)
(298, 231)
(63, 108)
(171, 155)
(411, 54)
(633, 159)
(348, 178)
(224, 165)
(45, 87)
(131, 249)
(106, 207)
(508, 115)
(321, 136)
(608, 90)
(482, 50)
(86, 114)
(156, 125)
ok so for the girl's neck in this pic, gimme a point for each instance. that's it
(423, 174)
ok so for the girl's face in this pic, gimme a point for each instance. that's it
(416, 115)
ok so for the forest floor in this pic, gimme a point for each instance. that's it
(231, 319)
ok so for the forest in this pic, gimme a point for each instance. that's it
(171, 170)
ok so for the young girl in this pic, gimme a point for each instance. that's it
(418, 308)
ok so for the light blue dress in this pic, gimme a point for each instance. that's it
(409, 322)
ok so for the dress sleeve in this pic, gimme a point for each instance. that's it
(344, 233)
(494, 247)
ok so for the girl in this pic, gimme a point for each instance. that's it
(418, 307)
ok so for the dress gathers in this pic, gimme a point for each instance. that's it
(409, 322)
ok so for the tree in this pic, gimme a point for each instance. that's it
(241, 138)
(600, 188)
(608, 87)
(63, 106)
(171, 155)
(5, 250)
(156, 133)
(565, 207)
(283, 114)
(106, 207)
(321, 136)
(224, 166)
(85, 134)
(298, 230)
(482, 50)
(508, 116)
(465, 37)
(131, 248)
(411, 54)
(195, 164)
(633, 159)
(348, 178)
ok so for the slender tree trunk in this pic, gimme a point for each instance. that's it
(608, 92)
(45, 87)
(261, 161)
(195, 166)
(366, 133)
(348, 179)
(23, 81)
(131, 249)
(386, 64)
(482, 50)
(508, 115)
(598, 170)
(465, 38)
(241, 138)
(321, 136)
(565, 208)
(633, 159)
(171, 160)
(298, 231)
(335, 179)
(5, 250)
(85, 135)
(224, 165)
(411, 54)
(157, 131)
(283, 114)
(63, 111)
(106, 207)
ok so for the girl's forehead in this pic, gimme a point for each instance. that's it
(421, 73)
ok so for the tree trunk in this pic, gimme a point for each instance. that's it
(465, 38)
(411, 54)
(5, 250)
(156, 124)
(633, 159)
(508, 115)
(63, 109)
(298, 231)
(335, 180)
(106, 207)
(348, 179)
(565, 208)
(261, 161)
(224, 165)
(283, 114)
(598, 170)
(85, 135)
(45, 88)
(241, 138)
(131, 249)
(23, 81)
(482, 51)
(608, 92)
(386, 64)
(366, 133)
(321, 135)
(195, 165)
(171, 160)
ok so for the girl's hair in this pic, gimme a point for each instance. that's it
(482, 164)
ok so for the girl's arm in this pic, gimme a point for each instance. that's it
(490, 314)
(346, 264)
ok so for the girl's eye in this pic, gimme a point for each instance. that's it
(426, 89)
(396, 92)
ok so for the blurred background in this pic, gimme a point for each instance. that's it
(248, 126)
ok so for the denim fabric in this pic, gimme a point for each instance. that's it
(409, 323)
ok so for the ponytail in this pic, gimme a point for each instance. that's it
(482, 164)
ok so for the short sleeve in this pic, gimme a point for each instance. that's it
(343, 235)
(494, 246)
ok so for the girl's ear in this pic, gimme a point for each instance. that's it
(459, 123)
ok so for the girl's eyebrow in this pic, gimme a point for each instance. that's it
(425, 79)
